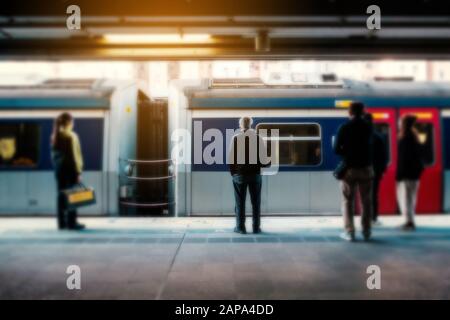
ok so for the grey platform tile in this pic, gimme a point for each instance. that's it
(333, 238)
(314, 239)
(218, 270)
(261, 269)
(75, 240)
(99, 240)
(147, 240)
(219, 240)
(169, 240)
(254, 289)
(155, 231)
(123, 240)
(291, 239)
(243, 239)
(199, 231)
(145, 290)
(195, 240)
(267, 239)
(200, 290)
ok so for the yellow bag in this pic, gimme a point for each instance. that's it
(79, 196)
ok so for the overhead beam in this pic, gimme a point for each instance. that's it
(223, 7)
(294, 28)
(223, 21)
(327, 48)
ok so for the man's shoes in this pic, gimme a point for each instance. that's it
(257, 230)
(366, 235)
(240, 230)
(77, 227)
(347, 236)
(409, 226)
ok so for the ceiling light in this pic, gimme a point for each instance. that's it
(156, 38)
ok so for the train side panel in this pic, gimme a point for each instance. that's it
(305, 188)
(295, 188)
(120, 138)
(446, 150)
(27, 182)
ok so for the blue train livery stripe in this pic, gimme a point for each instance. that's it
(54, 103)
(316, 102)
(329, 127)
(90, 132)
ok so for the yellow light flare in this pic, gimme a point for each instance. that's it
(343, 103)
(423, 115)
(156, 38)
(380, 115)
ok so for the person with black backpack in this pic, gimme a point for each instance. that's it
(354, 143)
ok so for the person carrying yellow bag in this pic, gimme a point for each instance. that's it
(68, 162)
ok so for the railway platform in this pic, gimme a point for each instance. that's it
(201, 258)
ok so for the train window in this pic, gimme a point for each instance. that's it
(300, 144)
(426, 138)
(385, 131)
(19, 144)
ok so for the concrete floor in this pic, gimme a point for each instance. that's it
(200, 258)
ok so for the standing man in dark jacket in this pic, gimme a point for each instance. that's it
(380, 162)
(354, 143)
(245, 161)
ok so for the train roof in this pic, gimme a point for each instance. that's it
(250, 94)
(57, 93)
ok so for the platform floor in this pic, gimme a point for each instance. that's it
(200, 258)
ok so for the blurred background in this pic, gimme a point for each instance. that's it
(153, 77)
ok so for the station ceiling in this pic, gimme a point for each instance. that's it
(233, 29)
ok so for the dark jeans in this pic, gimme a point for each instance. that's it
(357, 179)
(66, 218)
(253, 182)
(375, 188)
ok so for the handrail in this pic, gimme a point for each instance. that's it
(147, 161)
(150, 178)
(136, 204)
(129, 177)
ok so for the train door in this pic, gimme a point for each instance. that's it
(430, 190)
(445, 114)
(385, 123)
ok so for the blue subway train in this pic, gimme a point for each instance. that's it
(105, 119)
(307, 111)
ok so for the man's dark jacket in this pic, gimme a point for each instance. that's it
(409, 159)
(246, 168)
(354, 143)
(64, 160)
(380, 154)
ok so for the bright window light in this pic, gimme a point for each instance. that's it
(156, 38)
(380, 115)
